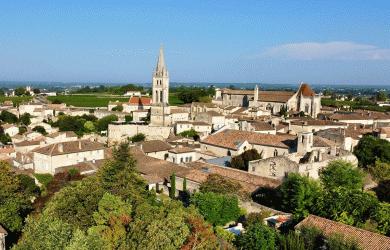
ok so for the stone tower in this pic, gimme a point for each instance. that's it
(160, 82)
(305, 142)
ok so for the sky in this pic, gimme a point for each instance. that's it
(229, 41)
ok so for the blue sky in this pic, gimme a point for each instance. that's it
(346, 42)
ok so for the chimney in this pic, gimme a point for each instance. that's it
(61, 147)
(79, 144)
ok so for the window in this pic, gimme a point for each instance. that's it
(190, 158)
(181, 159)
(253, 169)
(276, 152)
(307, 108)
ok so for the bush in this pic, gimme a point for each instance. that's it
(218, 209)
(44, 179)
(138, 137)
(242, 161)
(40, 129)
(257, 236)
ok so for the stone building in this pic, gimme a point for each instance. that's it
(303, 100)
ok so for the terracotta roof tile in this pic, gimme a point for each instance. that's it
(233, 138)
(364, 239)
(136, 100)
(155, 146)
(69, 147)
(305, 90)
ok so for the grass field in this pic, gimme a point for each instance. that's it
(90, 100)
(87, 100)
(15, 99)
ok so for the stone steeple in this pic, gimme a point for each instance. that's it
(160, 81)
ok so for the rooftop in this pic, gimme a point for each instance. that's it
(69, 147)
(154, 146)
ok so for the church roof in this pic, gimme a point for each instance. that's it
(161, 68)
(305, 90)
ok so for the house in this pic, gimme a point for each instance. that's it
(361, 117)
(258, 127)
(63, 136)
(49, 158)
(365, 240)
(156, 148)
(182, 154)
(132, 93)
(303, 100)
(234, 142)
(10, 129)
(214, 118)
(384, 133)
(26, 146)
(3, 234)
(313, 125)
(202, 128)
(23, 160)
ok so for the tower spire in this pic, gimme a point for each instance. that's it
(161, 68)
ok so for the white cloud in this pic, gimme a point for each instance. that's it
(337, 50)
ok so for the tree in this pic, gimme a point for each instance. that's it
(128, 118)
(89, 126)
(242, 161)
(201, 234)
(70, 123)
(184, 184)
(340, 173)
(138, 137)
(112, 219)
(28, 185)
(291, 241)
(299, 194)
(22, 130)
(20, 91)
(102, 124)
(257, 236)
(4, 138)
(259, 217)
(118, 108)
(25, 119)
(44, 232)
(56, 101)
(15, 200)
(283, 111)
(218, 209)
(190, 133)
(36, 91)
(40, 129)
(8, 117)
(218, 184)
(382, 217)
(383, 190)
(381, 96)
(172, 190)
(380, 171)
(370, 149)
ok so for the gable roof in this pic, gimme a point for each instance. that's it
(233, 138)
(154, 146)
(364, 239)
(136, 100)
(275, 96)
(69, 147)
(305, 90)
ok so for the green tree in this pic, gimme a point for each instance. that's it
(172, 190)
(242, 161)
(22, 130)
(25, 119)
(218, 209)
(15, 200)
(8, 117)
(45, 232)
(83, 241)
(291, 241)
(138, 137)
(370, 149)
(380, 171)
(112, 219)
(383, 190)
(340, 173)
(28, 185)
(102, 124)
(4, 138)
(40, 129)
(20, 91)
(185, 184)
(257, 237)
(299, 194)
(128, 118)
(381, 96)
(89, 126)
(382, 217)
(218, 184)
(118, 108)
(190, 134)
(70, 123)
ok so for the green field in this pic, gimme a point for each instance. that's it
(15, 99)
(174, 100)
(87, 100)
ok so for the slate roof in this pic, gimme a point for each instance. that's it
(364, 239)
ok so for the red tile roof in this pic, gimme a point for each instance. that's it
(364, 239)
(305, 90)
(136, 100)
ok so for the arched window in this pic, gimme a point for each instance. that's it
(229, 153)
(275, 152)
(161, 96)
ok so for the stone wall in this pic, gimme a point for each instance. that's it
(120, 132)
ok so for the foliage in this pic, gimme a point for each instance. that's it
(138, 137)
(115, 90)
(380, 171)
(184, 184)
(190, 133)
(89, 126)
(218, 184)
(8, 117)
(118, 108)
(381, 96)
(225, 235)
(45, 232)
(73, 172)
(259, 217)
(128, 118)
(102, 124)
(25, 119)
(20, 91)
(218, 209)
(193, 94)
(340, 173)
(291, 241)
(172, 190)
(336, 241)
(299, 194)
(242, 161)
(257, 236)
(4, 138)
(22, 130)
(44, 179)
(312, 237)
(358, 103)
(382, 217)
(15, 199)
(70, 123)
(86, 100)
(283, 111)
(383, 190)
(28, 185)
(40, 129)
(16, 100)
(370, 149)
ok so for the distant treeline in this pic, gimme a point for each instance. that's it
(115, 90)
